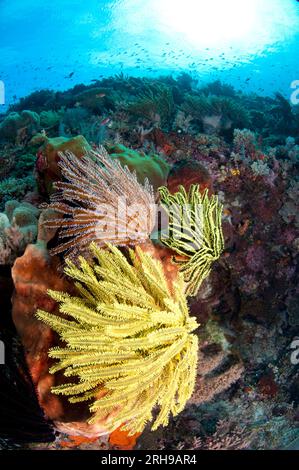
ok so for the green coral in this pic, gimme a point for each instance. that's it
(195, 232)
(127, 333)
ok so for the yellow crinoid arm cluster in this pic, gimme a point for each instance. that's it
(194, 231)
(126, 333)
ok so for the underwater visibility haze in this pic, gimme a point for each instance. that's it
(149, 224)
(43, 43)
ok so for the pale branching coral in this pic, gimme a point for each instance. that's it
(128, 333)
(194, 232)
(156, 103)
(102, 201)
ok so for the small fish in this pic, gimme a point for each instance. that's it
(105, 121)
(100, 95)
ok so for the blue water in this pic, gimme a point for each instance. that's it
(57, 43)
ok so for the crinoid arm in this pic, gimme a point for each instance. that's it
(100, 201)
(194, 232)
(127, 333)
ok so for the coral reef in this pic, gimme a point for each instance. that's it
(187, 172)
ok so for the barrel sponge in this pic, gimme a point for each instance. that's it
(151, 166)
(29, 231)
(30, 207)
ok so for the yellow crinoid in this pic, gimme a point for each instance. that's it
(127, 332)
(194, 232)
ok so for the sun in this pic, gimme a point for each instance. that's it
(208, 23)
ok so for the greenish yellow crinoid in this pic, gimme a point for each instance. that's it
(127, 332)
(194, 231)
